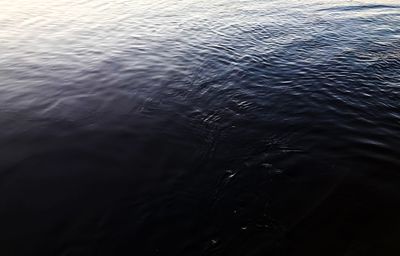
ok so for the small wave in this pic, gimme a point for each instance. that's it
(355, 8)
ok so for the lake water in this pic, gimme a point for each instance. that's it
(199, 127)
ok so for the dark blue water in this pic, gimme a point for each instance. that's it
(166, 127)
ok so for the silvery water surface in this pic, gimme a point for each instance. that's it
(199, 127)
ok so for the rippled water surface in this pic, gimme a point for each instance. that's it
(199, 127)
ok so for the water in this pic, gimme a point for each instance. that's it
(166, 127)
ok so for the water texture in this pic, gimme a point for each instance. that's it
(198, 127)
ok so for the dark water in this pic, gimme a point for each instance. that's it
(199, 127)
